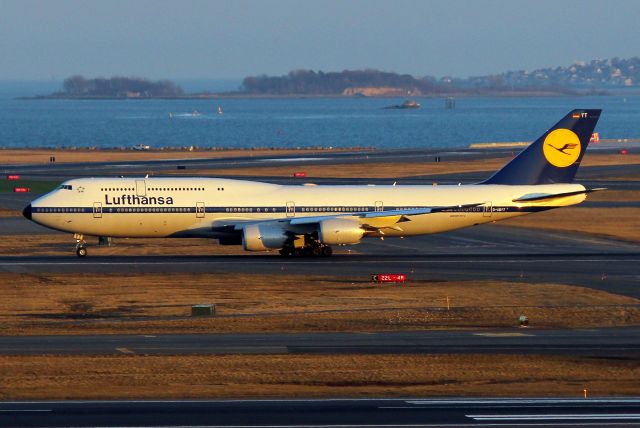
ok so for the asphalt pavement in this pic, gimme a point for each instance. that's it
(619, 342)
(329, 413)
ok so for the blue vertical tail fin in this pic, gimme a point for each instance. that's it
(555, 156)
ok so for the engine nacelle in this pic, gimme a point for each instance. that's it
(263, 237)
(340, 231)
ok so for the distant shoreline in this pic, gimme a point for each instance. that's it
(222, 96)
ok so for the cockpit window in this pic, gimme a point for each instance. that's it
(66, 187)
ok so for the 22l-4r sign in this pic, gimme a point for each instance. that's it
(388, 277)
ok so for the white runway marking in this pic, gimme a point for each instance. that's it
(503, 334)
(287, 160)
(521, 401)
(557, 417)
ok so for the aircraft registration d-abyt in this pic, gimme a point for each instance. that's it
(308, 219)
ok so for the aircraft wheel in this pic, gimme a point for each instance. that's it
(81, 251)
(326, 251)
(316, 251)
(286, 252)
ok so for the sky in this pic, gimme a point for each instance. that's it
(231, 39)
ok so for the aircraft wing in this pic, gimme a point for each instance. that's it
(364, 216)
(368, 219)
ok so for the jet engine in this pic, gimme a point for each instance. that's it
(263, 237)
(340, 231)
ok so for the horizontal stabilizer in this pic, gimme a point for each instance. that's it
(539, 197)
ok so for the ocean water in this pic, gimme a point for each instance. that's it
(326, 122)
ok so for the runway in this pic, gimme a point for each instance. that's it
(623, 342)
(352, 413)
(485, 252)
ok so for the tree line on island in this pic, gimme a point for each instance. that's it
(119, 87)
(580, 77)
(347, 82)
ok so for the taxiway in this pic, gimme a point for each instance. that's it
(354, 413)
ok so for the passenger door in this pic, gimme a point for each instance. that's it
(141, 188)
(200, 209)
(486, 209)
(97, 210)
(291, 209)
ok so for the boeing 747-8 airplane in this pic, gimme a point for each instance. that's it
(307, 220)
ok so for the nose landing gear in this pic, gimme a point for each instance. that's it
(81, 249)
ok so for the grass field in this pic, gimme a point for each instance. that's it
(620, 223)
(296, 376)
(265, 376)
(161, 303)
(29, 156)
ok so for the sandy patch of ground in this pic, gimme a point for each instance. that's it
(264, 376)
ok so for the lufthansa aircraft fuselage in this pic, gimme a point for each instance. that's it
(199, 207)
(308, 219)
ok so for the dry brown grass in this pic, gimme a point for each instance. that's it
(621, 223)
(393, 170)
(264, 376)
(371, 170)
(161, 303)
(61, 244)
(9, 213)
(17, 157)
(615, 196)
(606, 159)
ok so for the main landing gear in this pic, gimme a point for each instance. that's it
(312, 248)
(81, 249)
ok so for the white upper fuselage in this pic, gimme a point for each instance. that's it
(162, 207)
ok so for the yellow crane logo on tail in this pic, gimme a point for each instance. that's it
(561, 148)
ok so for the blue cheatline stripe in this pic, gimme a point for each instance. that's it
(269, 210)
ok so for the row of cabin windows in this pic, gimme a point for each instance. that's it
(61, 210)
(117, 189)
(152, 210)
(303, 209)
(333, 209)
(248, 210)
(175, 189)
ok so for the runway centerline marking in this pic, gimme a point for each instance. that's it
(125, 350)
(558, 417)
(503, 334)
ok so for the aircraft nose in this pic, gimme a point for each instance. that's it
(27, 212)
